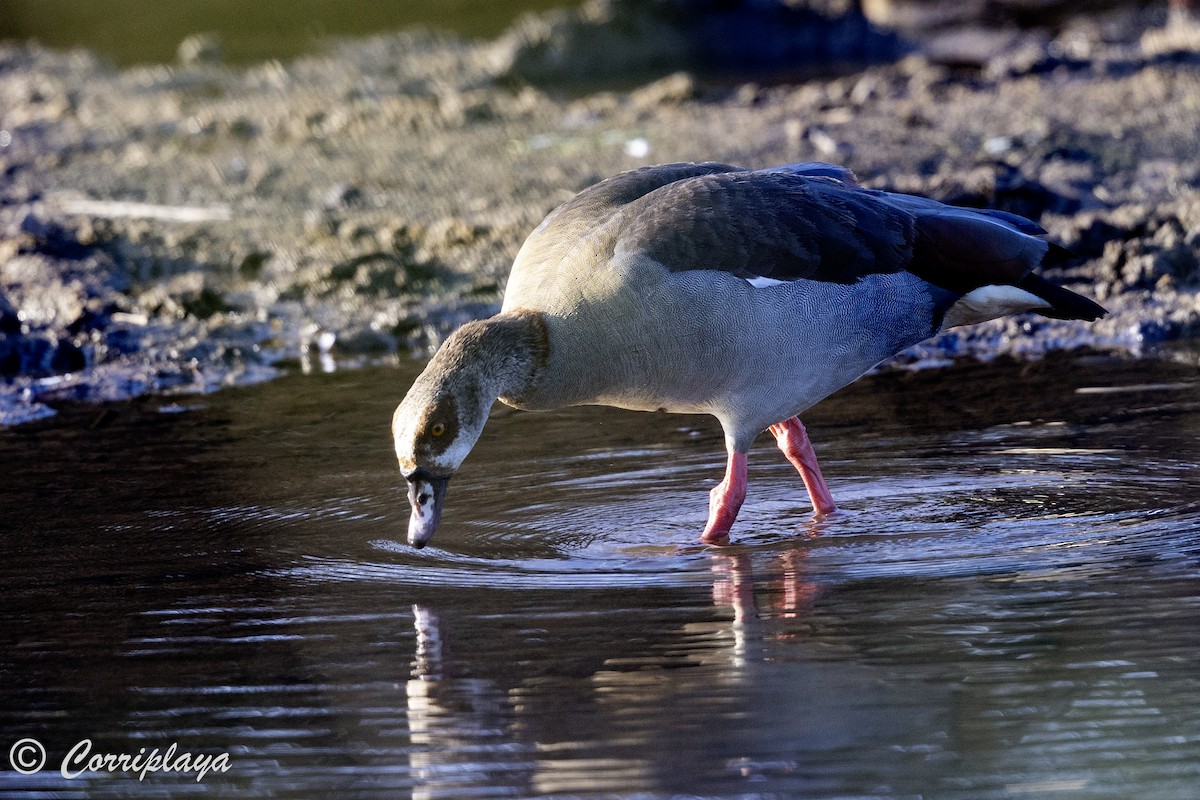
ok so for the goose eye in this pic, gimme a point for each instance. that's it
(437, 429)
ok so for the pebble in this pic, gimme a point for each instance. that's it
(341, 196)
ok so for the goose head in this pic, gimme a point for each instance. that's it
(440, 419)
(434, 428)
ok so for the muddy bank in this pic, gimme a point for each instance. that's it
(176, 229)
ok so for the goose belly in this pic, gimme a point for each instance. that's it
(710, 342)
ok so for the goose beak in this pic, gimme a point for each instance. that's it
(425, 494)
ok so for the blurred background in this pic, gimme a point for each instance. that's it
(133, 32)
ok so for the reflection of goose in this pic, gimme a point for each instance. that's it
(451, 724)
(705, 288)
(424, 710)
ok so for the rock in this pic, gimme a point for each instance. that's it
(10, 322)
(252, 264)
(451, 232)
(748, 94)
(67, 357)
(915, 15)
(243, 128)
(340, 196)
(918, 16)
(41, 295)
(1094, 232)
(205, 303)
(352, 230)
(200, 48)
(17, 406)
(615, 38)
(459, 108)
(1181, 34)
(319, 223)
(674, 89)
(826, 146)
(366, 341)
(974, 47)
(401, 235)
(33, 233)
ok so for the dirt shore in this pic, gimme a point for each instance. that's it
(175, 229)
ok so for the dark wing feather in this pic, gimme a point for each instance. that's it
(1015, 220)
(960, 250)
(819, 169)
(595, 205)
(921, 206)
(807, 220)
(768, 224)
(1066, 304)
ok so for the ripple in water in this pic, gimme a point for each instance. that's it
(1005, 606)
(999, 502)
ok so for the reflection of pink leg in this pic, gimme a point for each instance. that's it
(796, 593)
(733, 585)
(793, 441)
(725, 500)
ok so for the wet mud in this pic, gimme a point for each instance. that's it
(179, 228)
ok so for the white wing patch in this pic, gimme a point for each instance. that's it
(990, 302)
(760, 282)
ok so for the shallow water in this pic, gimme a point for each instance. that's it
(1008, 606)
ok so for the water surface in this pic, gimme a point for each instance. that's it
(1008, 606)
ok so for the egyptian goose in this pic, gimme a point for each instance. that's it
(712, 289)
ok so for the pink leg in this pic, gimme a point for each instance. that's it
(725, 500)
(793, 441)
